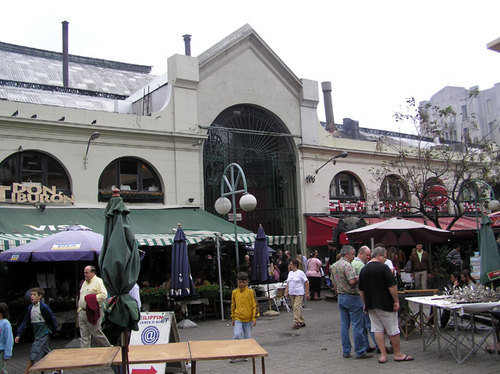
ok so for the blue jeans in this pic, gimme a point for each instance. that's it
(242, 330)
(351, 311)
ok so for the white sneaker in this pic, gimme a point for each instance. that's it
(232, 361)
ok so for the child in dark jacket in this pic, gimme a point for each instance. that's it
(40, 318)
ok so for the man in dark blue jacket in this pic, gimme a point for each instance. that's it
(42, 321)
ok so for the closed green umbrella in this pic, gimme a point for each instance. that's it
(490, 259)
(120, 265)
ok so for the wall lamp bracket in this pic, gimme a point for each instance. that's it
(94, 136)
(344, 154)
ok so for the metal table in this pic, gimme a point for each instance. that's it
(461, 343)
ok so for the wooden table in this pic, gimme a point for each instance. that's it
(157, 353)
(226, 349)
(76, 358)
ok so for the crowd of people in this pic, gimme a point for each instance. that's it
(365, 284)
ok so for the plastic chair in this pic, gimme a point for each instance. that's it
(280, 299)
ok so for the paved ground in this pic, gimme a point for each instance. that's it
(313, 349)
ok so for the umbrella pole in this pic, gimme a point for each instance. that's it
(269, 312)
(124, 345)
(268, 297)
(217, 245)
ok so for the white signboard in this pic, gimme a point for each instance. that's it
(154, 328)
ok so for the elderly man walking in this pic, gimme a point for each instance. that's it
(378, 290)
(350, 304)
(92, 295)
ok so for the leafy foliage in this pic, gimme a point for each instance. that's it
(153, 292)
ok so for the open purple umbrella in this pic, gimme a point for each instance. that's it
(76, 243)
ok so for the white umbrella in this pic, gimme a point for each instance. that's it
(398, 231)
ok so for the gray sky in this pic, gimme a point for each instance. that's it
(375, 53)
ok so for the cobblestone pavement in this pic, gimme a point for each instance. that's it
(313, 349)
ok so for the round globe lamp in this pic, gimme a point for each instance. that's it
(494, 205)
(248, 202)
(223, 205)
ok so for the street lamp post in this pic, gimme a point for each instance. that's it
(231, 177)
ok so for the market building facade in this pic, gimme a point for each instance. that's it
(165, 141)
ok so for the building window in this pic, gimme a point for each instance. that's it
(489, 108)
(137, 181)
(393, 188)
(464, 112)
(393, 195)
(34, 168)
(346, 186)
(346, 195)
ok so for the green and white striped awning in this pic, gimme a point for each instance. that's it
(282, 239)
(242, 238)
(8, 241)
(271, 239)
(164, 239)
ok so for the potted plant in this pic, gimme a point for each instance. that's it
(441, 267)
(150, 295)
(210, 291)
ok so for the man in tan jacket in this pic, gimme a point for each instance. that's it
(93, 285)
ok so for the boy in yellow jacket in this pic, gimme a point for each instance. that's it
(244, 310)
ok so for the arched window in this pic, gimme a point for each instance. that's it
(346, 194)
(258, 141)
(393, 195)
(346, 186)
(35, 169)
(393, 188)
(137, 181)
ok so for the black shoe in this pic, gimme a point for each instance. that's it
(370, 349)
(365, 355)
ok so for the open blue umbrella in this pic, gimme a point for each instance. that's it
(181, 285)
(490, 259)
